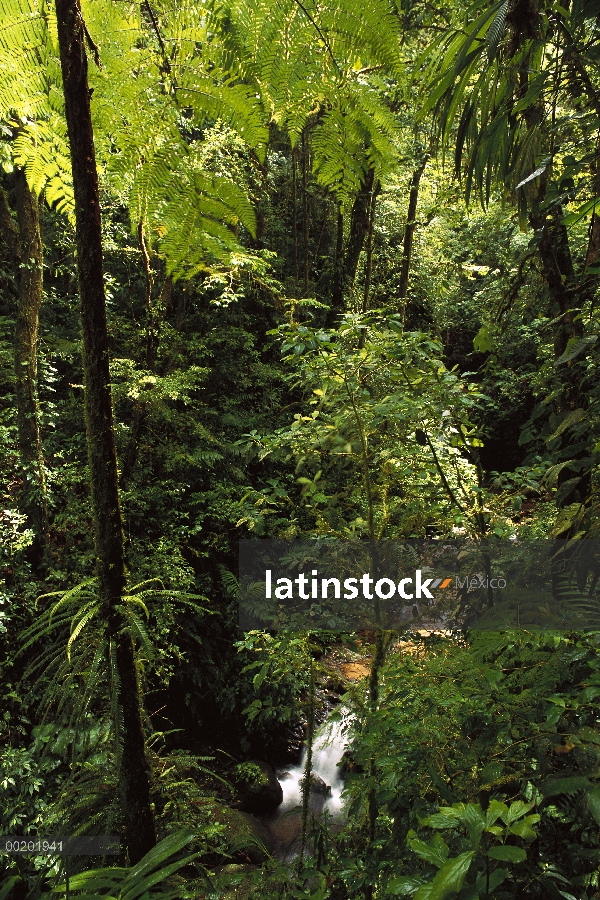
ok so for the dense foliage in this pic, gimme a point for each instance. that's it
(351, 258)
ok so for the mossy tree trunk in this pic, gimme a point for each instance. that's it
(409, 233)
(346, 258)
(359, 227)
(134, 775)
(26, 341)
(25, 244)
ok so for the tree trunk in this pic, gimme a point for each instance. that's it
(134, 774)
(305, 207)
(409, 233)
(25, 360)
(567, 294)
(24, 244)
(140, 409)
(359, 227)
(295, 214)
(337, 298)
(346, 260)
(369, 262)
(558, 273)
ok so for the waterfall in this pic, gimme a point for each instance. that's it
(329, 744)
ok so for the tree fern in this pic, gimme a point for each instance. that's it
(31, 98)
(239, 63)
(144, 125)
(309, 60)
(145, 157)
(81, 651)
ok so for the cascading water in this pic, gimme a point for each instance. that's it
(328, 748)
(329, 744)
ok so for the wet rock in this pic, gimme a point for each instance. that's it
(258, 789)
(318, 786)
(348, 765)
(245, 833)
(335, 685)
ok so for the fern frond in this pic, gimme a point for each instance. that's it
(136, 628)
(142, 584)
(73, 594)
(91, 611)
(133, 599)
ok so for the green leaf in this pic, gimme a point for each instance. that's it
(523, 828)
(435, 851)
(495, 810)
(444, 819)
(141, 886)
(495, 32)
(517, 810)
(403, 886)
(588, 207)
(507, 854)
(576, 415)
(536, 174)
(173, 843)
(576, 346)
(448, 880)
(483, 342)
(6, 889)
(496, 878)
(493, 676)
(474, 819)
(586, 733)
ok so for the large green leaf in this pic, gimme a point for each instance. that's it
(403, 885)
(516, 810)
(523, 828)
(496, 878)
(435, 851)
(507, 853)
(448, 880)
(6, 889)
(137, 882)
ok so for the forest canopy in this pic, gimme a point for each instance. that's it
(291, 271)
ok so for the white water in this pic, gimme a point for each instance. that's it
(330, 742)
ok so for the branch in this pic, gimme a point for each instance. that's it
(441, 473)
(321, 35)
(91, 45)
(166, 63)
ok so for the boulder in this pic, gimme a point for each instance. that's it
(318, 786)
(257, 787)
(244, 833)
